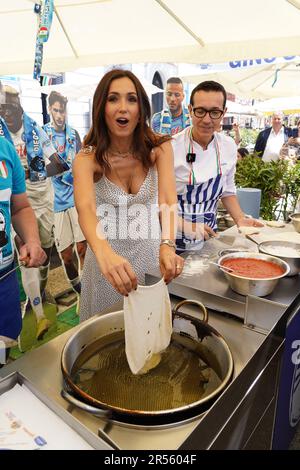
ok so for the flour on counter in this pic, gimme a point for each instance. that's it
(194, 266)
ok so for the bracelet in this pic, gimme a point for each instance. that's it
(168, 242)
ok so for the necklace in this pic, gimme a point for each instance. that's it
(117, 153)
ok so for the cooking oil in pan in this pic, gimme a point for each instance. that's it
(181, 378)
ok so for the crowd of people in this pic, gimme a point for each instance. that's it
(133, 196)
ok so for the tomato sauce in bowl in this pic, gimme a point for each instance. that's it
(253, 268)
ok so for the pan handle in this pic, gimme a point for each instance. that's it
(83, 406)
(193, 302)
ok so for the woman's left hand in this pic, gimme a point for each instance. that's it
(171, 265)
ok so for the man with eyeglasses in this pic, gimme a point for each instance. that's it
(175, 117)
(39, 160)
(205, 161)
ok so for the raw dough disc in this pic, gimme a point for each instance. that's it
(248, 230)
(275, 223)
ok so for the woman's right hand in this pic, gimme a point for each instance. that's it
(118, 271)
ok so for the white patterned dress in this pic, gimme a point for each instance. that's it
(131, 225)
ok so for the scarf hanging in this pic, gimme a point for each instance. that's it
(44, 11)
(70, 150)
(35, 157)
(166, 120)
(4, 132)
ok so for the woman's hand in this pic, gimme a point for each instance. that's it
(118, 271)
(171, 265)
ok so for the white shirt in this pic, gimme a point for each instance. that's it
(274, 144)
(205, 165)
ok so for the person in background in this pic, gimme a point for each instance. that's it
(270, 140)
(175, 117)
(69, 238)
(16, 210)
(237, 134)
(232, 131)
(291, 149)
(242, 152)
(39, 160)
(121, 173)
(205, 162)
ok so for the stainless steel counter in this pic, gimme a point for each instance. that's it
(42, 368)
(249, 325)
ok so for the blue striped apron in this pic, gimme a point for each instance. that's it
(198, 204)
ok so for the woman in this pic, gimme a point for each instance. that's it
(118, 176)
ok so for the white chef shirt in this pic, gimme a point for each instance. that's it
(205, 165)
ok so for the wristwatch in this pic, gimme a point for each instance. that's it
(168, 242)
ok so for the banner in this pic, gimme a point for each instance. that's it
(242, 64)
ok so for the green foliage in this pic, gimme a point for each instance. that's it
(290, 189)
(252, 172)
(248, 137)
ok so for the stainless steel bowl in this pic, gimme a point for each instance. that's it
(258, 287)
(295, 218)
(292, 261)
(226, 251)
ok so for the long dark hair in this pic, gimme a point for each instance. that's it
(144, 139)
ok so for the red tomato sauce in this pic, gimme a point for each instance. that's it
(253, 268)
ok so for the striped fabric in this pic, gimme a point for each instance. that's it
(166, 120)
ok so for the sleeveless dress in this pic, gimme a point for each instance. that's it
(131, 225)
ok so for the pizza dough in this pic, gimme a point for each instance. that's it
(248, 230)
(148, 326)
(275, 223)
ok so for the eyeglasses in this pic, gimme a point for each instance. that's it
(213, 113)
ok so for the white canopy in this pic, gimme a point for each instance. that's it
(100, 32)
(268, 81)
(288, 105)
(86, 91)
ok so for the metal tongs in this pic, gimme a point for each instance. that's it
(22, 263)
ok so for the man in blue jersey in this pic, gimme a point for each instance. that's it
(175, 117)
(39, 160)
(68, 234)
(16, 210)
